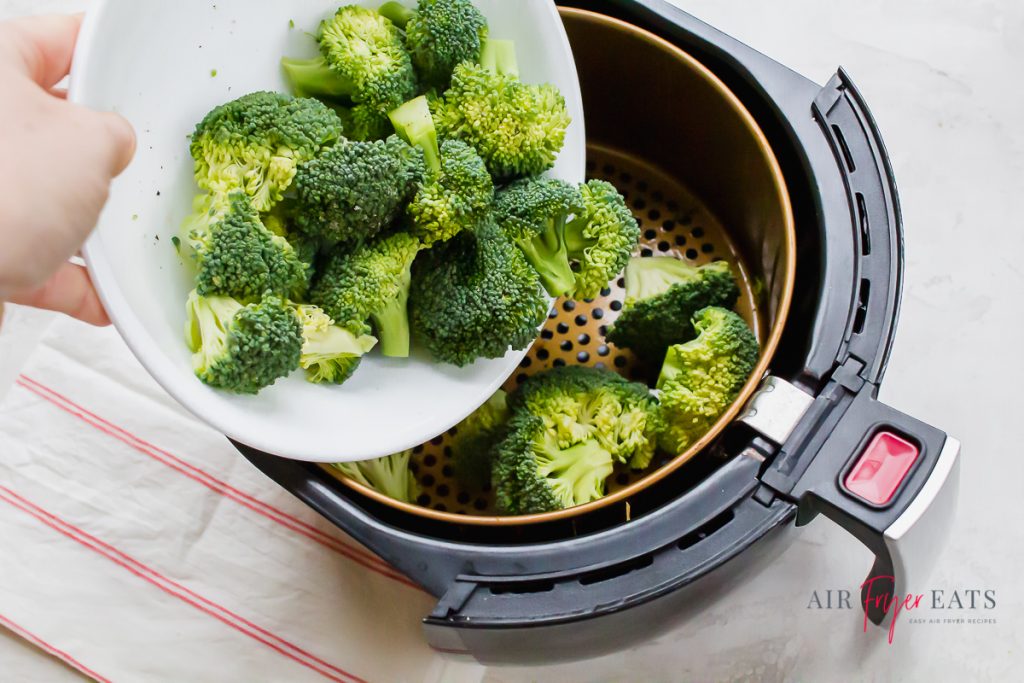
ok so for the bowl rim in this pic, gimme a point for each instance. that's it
(760, 370)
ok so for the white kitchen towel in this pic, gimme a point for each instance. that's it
(137, 545)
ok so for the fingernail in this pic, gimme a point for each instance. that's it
(125, 141)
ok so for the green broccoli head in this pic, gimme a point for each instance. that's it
(256, 143)
(237, 256)
(601, 238)
(517, 129)
(475, 296)
(330, 353)
(702, 377)
(457, 192)
(475, 439)
(440, 35)
(371, 282)
(356, 189)
(533, 212)
(239, 348)
(390, 476)
(662, 294)
(569, 427)
(363, 58)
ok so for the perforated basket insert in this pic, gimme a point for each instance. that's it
(673, 223)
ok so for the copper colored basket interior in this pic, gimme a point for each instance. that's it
(704, 186)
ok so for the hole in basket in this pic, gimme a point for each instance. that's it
(597, 313)
(707, 248)
(692, 254)
(443, 490)
(609, 573)
(441, 507)
(542, 354)
(668, 226)
(430, 461)
(583, 339)
(447, 471)
(562, 328)
(427, 480)
(463, 498)
(480, 504)
(645, 253)
(423, 500)
(663, 246)
(582, 356)
(580, 320)
(559, 363)
(616, 306)
(566, 345)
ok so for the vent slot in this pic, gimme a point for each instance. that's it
(841, 140)
(522, 588)
(865, 226)
(862, 307)
(613, 572)
(713, 525)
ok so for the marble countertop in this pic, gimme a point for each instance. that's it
(940, 77)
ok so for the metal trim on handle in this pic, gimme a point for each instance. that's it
(915, 539)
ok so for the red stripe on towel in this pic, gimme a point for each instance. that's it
(179, 591)
(50, 649)
(363, 558)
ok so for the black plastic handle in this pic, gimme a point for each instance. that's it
(907, 531)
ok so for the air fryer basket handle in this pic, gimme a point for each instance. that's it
(890, 480)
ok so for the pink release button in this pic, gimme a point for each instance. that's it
(878, 472)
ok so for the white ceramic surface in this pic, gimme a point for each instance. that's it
(163, 65)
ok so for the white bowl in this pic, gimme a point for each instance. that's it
(164, 65)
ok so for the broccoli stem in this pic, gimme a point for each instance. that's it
(392, 322)
(313, 77)
(575, 241)
(399, 14)
(577, 474)
(415, 124)
(499, 56)
(549, 256)
(650, 277)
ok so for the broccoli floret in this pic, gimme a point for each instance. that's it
(662, 294)
(457, 191)
(533, 213)
(475, 439)
(237, 256)
(356, 189)
(371, 282)
(474, 297)
(518, 129)
(440, 35)
(363, 123)
(702, 377)
(363, 58)
(331, 353)
(390, 476)
(256, 143)
(601, 238)
(239, 348)
(569, 427)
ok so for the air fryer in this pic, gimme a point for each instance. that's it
(722, 154)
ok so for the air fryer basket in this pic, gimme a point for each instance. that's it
(704, 185)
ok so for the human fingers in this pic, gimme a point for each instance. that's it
(42, 46)
(68, 291)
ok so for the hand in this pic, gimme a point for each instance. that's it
(55, 170)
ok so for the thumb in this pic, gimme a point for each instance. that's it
(116, 139)
(68, 291)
